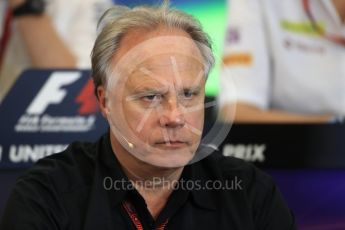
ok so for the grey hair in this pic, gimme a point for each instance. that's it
(119, 20)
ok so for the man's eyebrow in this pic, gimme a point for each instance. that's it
(147, 88)
(192, 88)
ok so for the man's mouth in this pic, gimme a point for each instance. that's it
(172, 144)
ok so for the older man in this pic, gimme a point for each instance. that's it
(150, 171)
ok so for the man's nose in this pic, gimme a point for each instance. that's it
(171, 114)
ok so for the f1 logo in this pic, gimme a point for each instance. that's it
(52, 92)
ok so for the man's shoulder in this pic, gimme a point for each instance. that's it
(69, 169)
(224, 164)
(228, 168)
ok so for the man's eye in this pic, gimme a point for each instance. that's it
(152, 97)
(189, 94)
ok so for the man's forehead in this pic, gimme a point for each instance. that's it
(140, 44)
(139, 35)
(168, 62)
(166, 67)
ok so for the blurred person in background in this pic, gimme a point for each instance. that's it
(46, 34)
(286, 59)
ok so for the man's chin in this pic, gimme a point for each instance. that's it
(170, 157)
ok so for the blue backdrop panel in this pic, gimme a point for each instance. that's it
(36, 123)
(315, 196)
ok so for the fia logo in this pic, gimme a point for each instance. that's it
(53, 93)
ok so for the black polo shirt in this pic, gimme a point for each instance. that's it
(79, 189)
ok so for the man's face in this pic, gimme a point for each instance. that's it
(161, 99)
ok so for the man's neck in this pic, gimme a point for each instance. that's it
(340, 8)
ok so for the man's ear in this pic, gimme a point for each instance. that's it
(102, 98)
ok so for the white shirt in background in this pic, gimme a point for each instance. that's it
(277, 60)
(75, 22)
